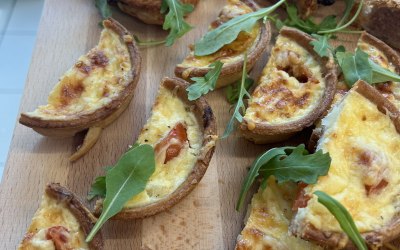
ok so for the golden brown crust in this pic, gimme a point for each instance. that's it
(148, 11)
(206, 119)
(232, 72)
(265, 133)
(103, 116)
(390, 53)
(81, 213)
(377, 237)
(381, 102)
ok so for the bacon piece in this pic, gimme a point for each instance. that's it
(98, 58)
(173, 142)
(301, 197)
(374, 170)
(59, 236)
(377, 188)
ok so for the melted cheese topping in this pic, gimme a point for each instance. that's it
(167, 111)
(268, 222)
(391, 90)
(93, 82)
(235, 50)
(53, 213)
(365, 147)
(291, 86)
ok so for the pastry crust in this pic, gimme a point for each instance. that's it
(100, 117)
(81, 213)
(148, 11)
(376, 237)
(267, 133)
(269, 215)
(232, 71)
(390, 53)
(206, 120)
(388, 58)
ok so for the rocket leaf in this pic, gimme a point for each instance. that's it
(228, 32)
(343, 217)
(125, 180)
(202, 85)
(286, 164)
(174, 19)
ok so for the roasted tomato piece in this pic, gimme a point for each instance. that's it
(59, 235)
(173, 142)
(301, 197)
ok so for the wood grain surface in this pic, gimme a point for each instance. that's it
(206, 219)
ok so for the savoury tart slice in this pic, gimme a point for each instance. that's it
(61, 222)
(93, 93)
(232, 55)
(362, 136)
(269, 216)
(183, 134)
(295, 89)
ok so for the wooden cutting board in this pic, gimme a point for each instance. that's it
(206, 219)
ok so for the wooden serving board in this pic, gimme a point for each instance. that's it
(206, 219)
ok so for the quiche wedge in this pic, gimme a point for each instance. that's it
(269, 215)
(183, 134)
(148, 11)
(93, 93)
(232, 55)
(61, 222)
(362, 136)
(295, 89)
(383, 55)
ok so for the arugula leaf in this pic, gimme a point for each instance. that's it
(349, 7)
(327, 26)
(343, 217)
(339, 26)
(322, 48)
(359, 66)
(239, 105)
(144, 43)
(278, 22)
(286, 164)
(125, 180)
(329, 22)
(254, 171)
(174, 20)
(202, 85)
(104, 8)
(381, 74)
(228, 32)
(339, 48)
(233, 90)
(98, 188)
(299, 165)
(308, 25)
(295, 21)
(321, 45)
(355, 66)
